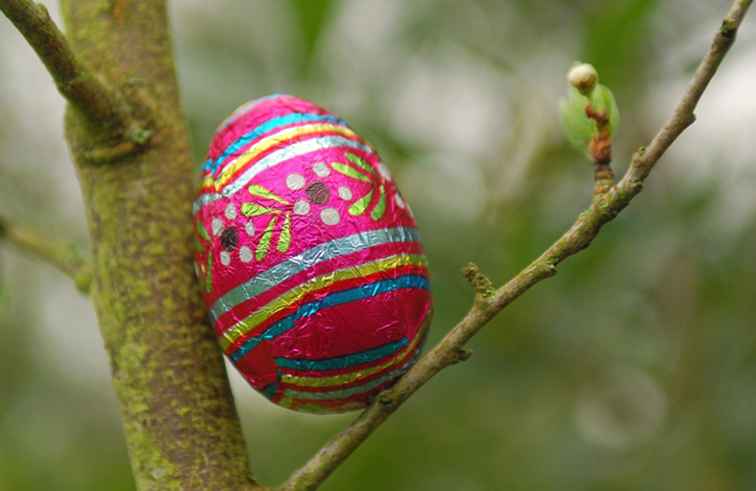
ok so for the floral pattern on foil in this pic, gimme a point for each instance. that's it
(360, 170)
(278, 212)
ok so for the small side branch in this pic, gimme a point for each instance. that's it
(102, 106)
(482, 284)
(604, 207)
(63, 255)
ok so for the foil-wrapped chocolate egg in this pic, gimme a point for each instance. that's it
(309, 258)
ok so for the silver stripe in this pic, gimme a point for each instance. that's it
(289, 152)
(203, 200)
(320, 253)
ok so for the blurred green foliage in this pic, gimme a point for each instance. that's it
(633, 369)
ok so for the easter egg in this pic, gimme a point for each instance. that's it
(308, 257)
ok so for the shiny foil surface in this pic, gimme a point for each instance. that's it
(309, 258)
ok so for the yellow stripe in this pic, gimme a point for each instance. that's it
(295, 294)
(318, 407)
(286, 401)
(347, 378)
(268, 142)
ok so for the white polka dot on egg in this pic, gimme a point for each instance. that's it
(249, 227)
(245, 254)
(321, 170)
(345, 193)
(301, 207)
(225, 258)
(217, 226)
(330, 216)
(231, 211)
(295, 181)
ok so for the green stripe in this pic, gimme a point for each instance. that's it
(326, 251)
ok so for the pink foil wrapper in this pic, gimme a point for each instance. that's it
(309, 258)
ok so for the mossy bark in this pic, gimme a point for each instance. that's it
(178, 414)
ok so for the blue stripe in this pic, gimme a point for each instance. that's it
(338, 363)
(270, 390)
(357, 389)
(238, 112)
(336, 298)
(326, 251)
(264, 128)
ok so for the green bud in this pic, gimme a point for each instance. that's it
(603, 100)
(576, 126)
(584, 77)
(584, 89)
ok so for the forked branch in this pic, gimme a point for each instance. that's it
(65, 256)
(604, 207)
(104, 108)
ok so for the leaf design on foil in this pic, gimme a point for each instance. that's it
(263, 192)
(360, 162)
(380, 207)
(201, 245)
(255, 210)
(209, 273)
(198, 246)
(202, 231)
(349, 171)
(264, 245)
(361, 205)
(284, 237)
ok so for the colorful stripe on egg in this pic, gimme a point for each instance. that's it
(309, 258)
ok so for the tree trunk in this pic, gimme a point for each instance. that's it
(179, 418)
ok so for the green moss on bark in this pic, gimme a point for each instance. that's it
(179, 420)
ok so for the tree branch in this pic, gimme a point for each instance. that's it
(103, 107)
(603, 209)
(179, 419)
(65, 256)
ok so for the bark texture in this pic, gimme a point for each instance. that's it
(179, 419)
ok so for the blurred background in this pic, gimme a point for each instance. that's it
(633, 369)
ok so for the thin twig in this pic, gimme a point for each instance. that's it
(587, 226)
(64, 256)
(103, 107)
(482, 284)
